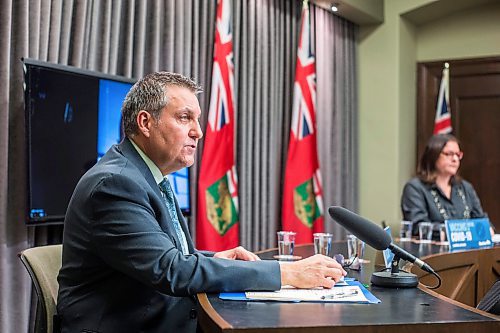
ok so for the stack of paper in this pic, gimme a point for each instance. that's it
(336, 294)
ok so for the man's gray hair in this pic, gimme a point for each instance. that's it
(150, 94)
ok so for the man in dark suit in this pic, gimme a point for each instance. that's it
(129, 264)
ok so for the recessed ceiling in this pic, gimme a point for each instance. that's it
(369, 12)
(357, 11)
(438, 9)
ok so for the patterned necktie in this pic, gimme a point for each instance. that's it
(168, 196)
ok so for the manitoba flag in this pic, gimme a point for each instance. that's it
(302, 197)
(217, 224)
(442, 123)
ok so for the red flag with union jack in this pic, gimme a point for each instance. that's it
(217, 225)
(302, 197)
(442, 123)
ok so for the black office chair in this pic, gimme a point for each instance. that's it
(43, 264)
(491, 301)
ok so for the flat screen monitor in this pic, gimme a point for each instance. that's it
(73, 117)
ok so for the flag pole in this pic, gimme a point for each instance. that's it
(442, 122)
(446, 76)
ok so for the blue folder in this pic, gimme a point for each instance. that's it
(240, 296)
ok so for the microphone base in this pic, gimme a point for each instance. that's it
(394, 280)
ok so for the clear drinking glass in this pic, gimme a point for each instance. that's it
(323, 243)
(405, 231)
(355, 249)
(286, 244)
(443, 238)
(425, 232)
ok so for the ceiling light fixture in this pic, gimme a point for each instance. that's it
(335, 7)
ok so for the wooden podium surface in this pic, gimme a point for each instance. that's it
(401, 310)
(467, 275)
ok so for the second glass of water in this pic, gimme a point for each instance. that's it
(406, 231)
(425, 232)
(286, 243)
(323, 243)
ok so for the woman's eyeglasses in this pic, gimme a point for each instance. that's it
(450, 154)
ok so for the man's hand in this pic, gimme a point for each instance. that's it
(237, 253)
(315, 271)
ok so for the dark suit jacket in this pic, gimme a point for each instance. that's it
(417, 202)
(123, 269)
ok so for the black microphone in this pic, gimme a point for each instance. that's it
(367, 231)
(405, 255)
(373, 235)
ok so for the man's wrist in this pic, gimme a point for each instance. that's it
(285, 273)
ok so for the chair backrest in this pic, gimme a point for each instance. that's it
(43, 264)
(491, 300)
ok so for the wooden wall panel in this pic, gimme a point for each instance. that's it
(475, 114)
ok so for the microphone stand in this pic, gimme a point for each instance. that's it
(395, 278)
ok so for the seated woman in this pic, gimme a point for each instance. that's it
(438, 193)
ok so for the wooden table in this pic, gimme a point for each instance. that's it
(466, 275)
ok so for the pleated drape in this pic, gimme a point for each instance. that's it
(135, 37)
(336, 113)
(264, 62)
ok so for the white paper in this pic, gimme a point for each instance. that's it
(336, 294)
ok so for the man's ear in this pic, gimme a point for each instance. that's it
(144, 122)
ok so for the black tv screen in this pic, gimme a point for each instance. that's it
(72, 118)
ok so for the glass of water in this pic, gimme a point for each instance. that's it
(425, 232)
(286, 244)
(355, 251)
(323, 243)
(405, 231)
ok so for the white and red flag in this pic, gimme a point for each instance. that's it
(218, 221)
(442, 123)
(302, 196)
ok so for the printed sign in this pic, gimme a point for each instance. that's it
(468, 234)
(388, 255)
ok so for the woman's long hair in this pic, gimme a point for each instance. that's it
(426, 169)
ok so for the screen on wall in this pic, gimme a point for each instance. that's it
(73, 117)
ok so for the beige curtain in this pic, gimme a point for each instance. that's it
(135, 37)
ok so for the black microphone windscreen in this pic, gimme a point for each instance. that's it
(367, 231)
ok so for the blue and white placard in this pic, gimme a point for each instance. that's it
(468, 233)
(388, 255)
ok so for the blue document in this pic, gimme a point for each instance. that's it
(241, 296)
